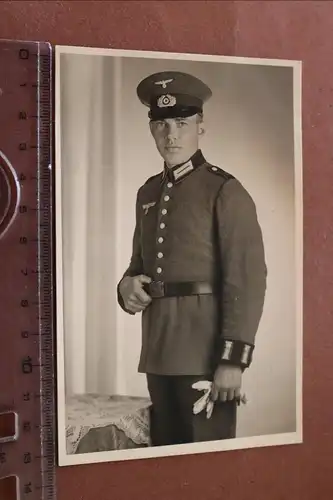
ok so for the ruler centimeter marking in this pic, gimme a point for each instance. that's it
(26, 260)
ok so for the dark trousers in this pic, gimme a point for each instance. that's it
(172, 417)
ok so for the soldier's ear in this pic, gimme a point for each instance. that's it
(200, 121)
(151, 126)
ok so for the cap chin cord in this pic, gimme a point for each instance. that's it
(175, 112)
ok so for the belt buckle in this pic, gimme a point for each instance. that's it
(157, 289)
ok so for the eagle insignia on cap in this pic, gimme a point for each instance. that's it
(164, 82)
(166, 100)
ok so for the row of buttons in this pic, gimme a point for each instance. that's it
(162, 226)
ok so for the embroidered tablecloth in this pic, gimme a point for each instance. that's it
(104, 423)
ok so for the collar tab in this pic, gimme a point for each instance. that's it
(182, 170)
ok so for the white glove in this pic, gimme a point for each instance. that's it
(205, 401)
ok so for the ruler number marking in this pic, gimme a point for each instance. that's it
(26, 426)
(27, 271)
(26, 396)
(27, 488)
(27, 365)
(23, 209)
(24, 54)
(27, 458)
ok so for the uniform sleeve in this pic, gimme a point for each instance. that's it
(243, 273)
(136, 265)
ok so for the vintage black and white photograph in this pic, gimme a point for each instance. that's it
(179, 253)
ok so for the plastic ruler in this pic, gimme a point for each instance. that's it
(27, 405)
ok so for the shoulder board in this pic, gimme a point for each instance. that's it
(219, 171)
(152, 178)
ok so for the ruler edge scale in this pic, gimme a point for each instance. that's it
(52, 262)
(43, 50)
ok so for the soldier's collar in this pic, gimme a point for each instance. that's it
(179, 172)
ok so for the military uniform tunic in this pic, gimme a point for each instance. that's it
(197, 223)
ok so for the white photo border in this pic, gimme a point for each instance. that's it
(242, 443)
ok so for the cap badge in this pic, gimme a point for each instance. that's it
(166, 100)
(164, 82)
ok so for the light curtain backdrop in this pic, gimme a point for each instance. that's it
(107, 153)
(89, 222)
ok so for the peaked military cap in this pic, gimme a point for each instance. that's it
(171, 94)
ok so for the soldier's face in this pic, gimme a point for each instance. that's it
(176, 139)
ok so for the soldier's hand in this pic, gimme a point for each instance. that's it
(134, 297)
(227, 383)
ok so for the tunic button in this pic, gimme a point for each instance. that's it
(162, 225)
(166, 198)
(164, 211)
(159, 270)
(160, 240)
(169, 184)
(159, 255)
(214, 168)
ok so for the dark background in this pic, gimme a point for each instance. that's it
(300, 30)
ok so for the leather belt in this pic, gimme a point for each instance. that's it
(159, 289)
